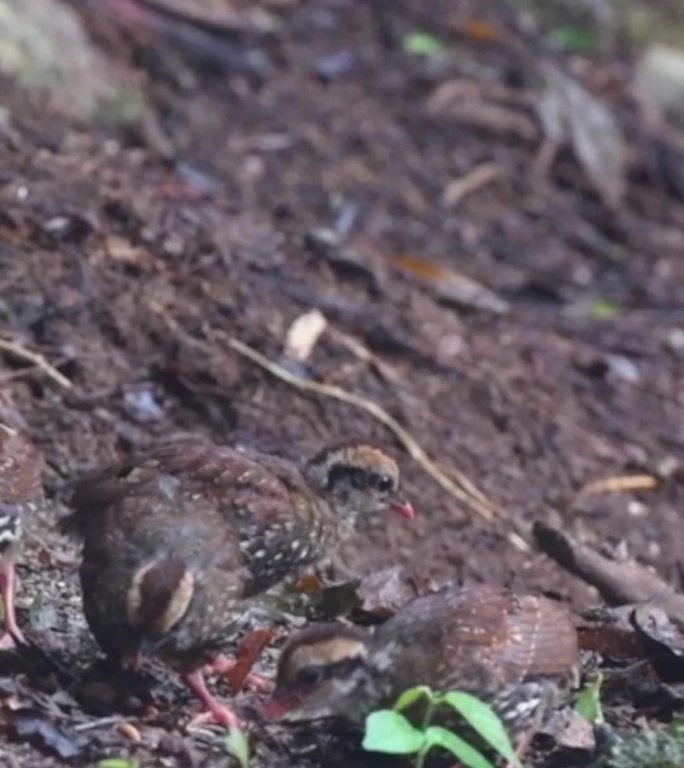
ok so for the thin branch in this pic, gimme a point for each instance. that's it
(102, 722)
(457, 190)
(20, 351)
(620, 484)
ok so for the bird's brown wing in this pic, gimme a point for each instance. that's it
(552, 633)
(280, 522)
(478, 638)
(247, 485)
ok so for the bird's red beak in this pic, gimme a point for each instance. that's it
(274, 709)
(403, 508)
(280, 703)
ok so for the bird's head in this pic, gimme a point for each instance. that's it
(359, 480)
(322, 673)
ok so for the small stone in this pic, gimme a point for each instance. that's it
(637, 509)
(674, 339)
(624, 368)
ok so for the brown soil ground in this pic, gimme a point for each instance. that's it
(124, 268)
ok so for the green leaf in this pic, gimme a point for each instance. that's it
(422, 44)
(237, 745)
(390, 732)
(589, 701)
(412, 695)
(460, 749)
(482, 718)
(573, 39)
(117, 762)
(601, 309)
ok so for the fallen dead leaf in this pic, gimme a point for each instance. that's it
(130, 732)
(571, 115)
(303, 335)
(478, 30)
(451, 286)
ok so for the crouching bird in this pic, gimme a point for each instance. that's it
(509, 650)
(179, 541)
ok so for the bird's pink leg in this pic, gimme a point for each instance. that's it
(215, 711)
(11, 634)
(223, 665)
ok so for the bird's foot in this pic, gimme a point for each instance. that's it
(218, 714)
(225, 666)
(11, 639)
(7, 642)
(215, 712)
(12, 635)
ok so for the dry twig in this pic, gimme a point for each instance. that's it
(620, 484)
(620, 583)
(20, 351)
(458, 189)
(364, 354)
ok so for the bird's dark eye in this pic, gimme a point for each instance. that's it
(310, 675)
(384, 483)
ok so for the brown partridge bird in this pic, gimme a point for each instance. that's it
(506, 649)
(177, 541)
(21, 466)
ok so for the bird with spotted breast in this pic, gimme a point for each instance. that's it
(179, 540)
(21, 465)
(512, 651)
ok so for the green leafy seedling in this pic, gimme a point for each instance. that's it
(389, 732)
(465, 753)
(422, 44)
(482, 718)
(589, 701)
(117, 762)
(573, 38)
(412, 695)
(602, 309)
(237, 744)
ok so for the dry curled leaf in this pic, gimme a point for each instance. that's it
(479, 31)
(571, 115)
(451, 286)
